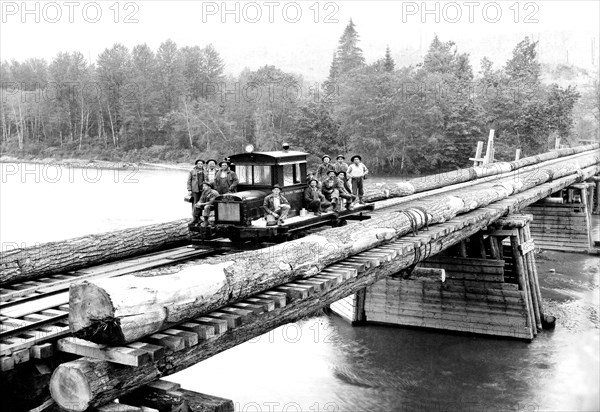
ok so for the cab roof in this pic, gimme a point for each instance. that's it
(269, 158)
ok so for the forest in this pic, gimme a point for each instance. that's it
(177, 104)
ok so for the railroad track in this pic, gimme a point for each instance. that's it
(35, 312)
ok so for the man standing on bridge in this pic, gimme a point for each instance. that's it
(226, 180)
(357, 172)
(194, 184)
(211, 170)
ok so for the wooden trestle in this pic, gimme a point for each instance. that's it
(486, 284)
(563, 222)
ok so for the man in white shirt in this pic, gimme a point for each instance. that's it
(357, 173)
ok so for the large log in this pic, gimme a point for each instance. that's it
(120, 310)
(103, 381)
(382, 191)
(77, 253)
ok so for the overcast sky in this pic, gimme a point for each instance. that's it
(295, 38)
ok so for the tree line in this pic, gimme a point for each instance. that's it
(176, 104)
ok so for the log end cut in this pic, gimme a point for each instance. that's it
(91, 314)
(70, 389)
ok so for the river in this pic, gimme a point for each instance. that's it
(321, 363)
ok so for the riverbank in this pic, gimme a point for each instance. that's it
(95, 163)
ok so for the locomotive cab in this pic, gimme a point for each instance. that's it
(257, 173)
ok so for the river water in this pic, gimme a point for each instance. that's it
(321, 363)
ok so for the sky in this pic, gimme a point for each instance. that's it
(301, 36)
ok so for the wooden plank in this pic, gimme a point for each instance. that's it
(6, 363)
(219, 325)
(203, 331)
(174, 343)
(267, 305)
(501, 232)
(21, 356)
(36, 306)
(163, 385)
(293, 293)
(120, 355)
(156, 352)
(43, 351)
(256, 309)
(527, 247)
(452, 268)
(38, 336)
(233, 321)
(466, 261)
(280, 298)
(190, 338)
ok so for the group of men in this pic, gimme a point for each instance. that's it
(336, 184)
(333, 186)
(206, 182)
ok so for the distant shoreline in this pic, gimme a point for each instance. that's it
(101, 164)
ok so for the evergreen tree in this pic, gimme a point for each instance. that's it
(388, 64)
(440, 57)
(349, 56)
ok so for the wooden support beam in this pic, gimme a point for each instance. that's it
(120, 355)
(478, 160)
(489, 150)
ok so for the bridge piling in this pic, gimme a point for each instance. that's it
(474, 287)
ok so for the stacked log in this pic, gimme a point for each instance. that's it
(117, 380)
(382, 191)
(120, 310)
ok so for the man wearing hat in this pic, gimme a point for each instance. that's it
(211, 170)
(194, 182)
(357, 172)
(226, 180)
(314, 200)
(345, 192)
(324, 168)
(329, 188)
(276, 207)
(340, 165)
(205, 204)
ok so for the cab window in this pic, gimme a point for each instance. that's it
(291, 174)
(262, 175)
(244, 174)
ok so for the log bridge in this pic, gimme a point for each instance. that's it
(127, 331)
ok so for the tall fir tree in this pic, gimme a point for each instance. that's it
(348, 56)
(388, 64)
